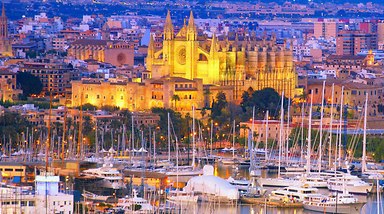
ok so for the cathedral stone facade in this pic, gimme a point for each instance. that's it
(240, 63)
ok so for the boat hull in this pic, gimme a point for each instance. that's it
(184, 198)
(340, 208)
(351, 189)
(276, 182)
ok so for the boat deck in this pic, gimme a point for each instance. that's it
(264, 201)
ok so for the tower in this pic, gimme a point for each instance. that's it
(168, 44)
(191, 49)
(5, 44)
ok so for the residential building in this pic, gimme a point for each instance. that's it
(351, 42)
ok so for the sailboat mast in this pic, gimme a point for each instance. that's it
(340, 124)
(309, 136)
(233, 140)
(96, 141)
(287, 137)
(266, 135)
(330, 129)
(169, 139)
(48, 144)
(193, 136)
(64, 134)
(364, 157)
(302, 134)
(321, 128)
(211, 136)
(79, 137)
(252, 131)
(154, 146)
(133, 138)
(281, 132)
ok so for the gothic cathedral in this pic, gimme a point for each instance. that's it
(241, 63)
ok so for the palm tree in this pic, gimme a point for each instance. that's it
(175, 98)
(207, 93)
(244, 127)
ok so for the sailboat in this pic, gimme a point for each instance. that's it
(181, 196)
(186, 172)
(279, 181)
(371, 174)
(350, 183)
(233, 160)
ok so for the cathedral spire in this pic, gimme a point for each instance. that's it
(3, 10)
(191, 28)
(168, 27)
(191, 21)
(151, 45)
(213, 49)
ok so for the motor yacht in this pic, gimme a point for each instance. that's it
(351, 183)
(335, 203)
(134, 204)
(294, 193)
(111, 177)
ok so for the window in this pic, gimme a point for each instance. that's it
(98, 96)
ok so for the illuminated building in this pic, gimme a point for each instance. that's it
(8, 91)
(175, 92)
(5, 42)
(54, 75)
(240, 63)
(114, 52)
(123, 94)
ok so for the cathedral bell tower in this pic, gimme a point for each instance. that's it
(168, 45)
(191, 49)
(5, 44)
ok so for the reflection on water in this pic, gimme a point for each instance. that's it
(227, 171)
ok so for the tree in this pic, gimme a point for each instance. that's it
(218, 105)
(262, 100)
(29, 83)
(11, 125)
(88, 107)
(175, 98)
(207, 93)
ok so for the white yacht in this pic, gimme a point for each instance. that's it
(241, 184)
(111, 177)
(89, 196)
(294, 193)
(314, 181)
(134, 204)
(182, 196)
(184, 171)
(278, 182)
(351, 183)
(340, 203)
(229, 161)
